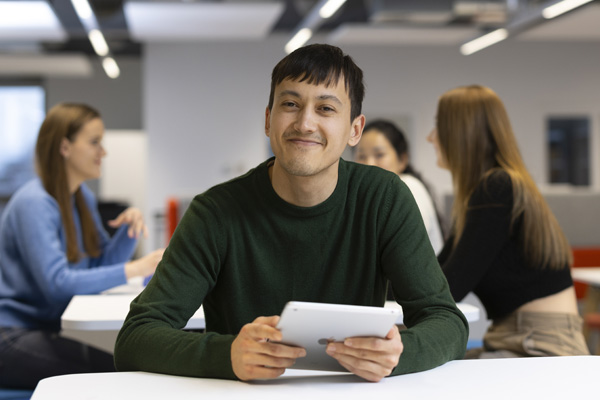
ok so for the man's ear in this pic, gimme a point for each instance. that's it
(267, 121)
(357, 129)
(65, 148)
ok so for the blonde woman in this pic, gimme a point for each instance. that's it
(506, 245)
(53, 246)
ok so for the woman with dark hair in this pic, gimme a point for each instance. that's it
(506, 245)
(53, 246)
(383, 144)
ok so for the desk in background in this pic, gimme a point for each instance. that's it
(591, 276)
(97, 319)
(517, 378)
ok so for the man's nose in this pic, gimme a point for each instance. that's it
(306, 122)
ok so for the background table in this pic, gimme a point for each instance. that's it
(517, 378)
(96, 319)
(591, 276)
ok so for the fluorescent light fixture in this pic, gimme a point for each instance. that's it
(298, 40)
(98, 43)
(82, 8)
(330, 8)
(85, 14)
(111, 68)
(484, 41)
(562, 7)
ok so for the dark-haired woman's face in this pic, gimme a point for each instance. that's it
(375, 149)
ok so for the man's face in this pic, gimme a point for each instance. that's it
(309, 126)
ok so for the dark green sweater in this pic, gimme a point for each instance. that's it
(243, 252)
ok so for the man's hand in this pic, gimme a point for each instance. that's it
(254, 356)
(370, 358)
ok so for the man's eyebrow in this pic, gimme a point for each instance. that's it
(293, 93)
(288, 93)
(330, 97)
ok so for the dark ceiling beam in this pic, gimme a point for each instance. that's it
(112, 23)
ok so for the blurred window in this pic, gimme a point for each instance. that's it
(569, 150)
(22, 110)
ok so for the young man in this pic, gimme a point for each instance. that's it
(304, 225)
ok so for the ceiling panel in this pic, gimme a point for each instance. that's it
(579, 25)
(197, 21)
(368, 34)
(45, 65)
(29, 21)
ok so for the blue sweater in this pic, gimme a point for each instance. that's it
(36, 279)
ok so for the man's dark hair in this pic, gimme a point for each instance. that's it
(321, 63)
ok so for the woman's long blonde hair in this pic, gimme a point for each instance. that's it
(65, 120)
(476, 139)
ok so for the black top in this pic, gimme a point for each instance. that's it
(489, 261)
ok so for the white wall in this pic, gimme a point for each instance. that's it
(124, 172)
(117, 100)
(124, 168)
(204, 102)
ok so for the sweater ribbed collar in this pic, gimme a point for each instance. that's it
(333, 201)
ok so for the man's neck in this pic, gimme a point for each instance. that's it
(303, 191)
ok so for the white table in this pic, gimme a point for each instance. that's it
(96, 319)
(515, 378)
(591, 276)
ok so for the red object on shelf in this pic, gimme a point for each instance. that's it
(584, 257)
(172, 217)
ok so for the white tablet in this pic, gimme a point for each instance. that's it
(313, 325)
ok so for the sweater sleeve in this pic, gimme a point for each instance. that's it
(486, 231)
(437, 330)
(151, 338)
(38, 237)
(117, 249)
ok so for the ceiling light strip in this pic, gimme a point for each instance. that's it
(98, 42)
(90, 23)
(111, 68)
(330, 8)
(318, 14)
(83, 9)
(298, 40)
(562, 7)
(484, 41)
